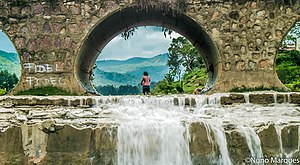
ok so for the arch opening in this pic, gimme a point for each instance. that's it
(131, 17)
(10, 68)
(288, 59)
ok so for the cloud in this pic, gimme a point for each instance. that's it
(146, 42)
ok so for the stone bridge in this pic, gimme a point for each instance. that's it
(58, 42)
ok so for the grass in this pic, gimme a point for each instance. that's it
(45, 91)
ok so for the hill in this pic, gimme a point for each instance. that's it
(10, 62)
(130, 71)
(132, 64)
(112, 78)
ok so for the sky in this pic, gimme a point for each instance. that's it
(5, 43)
(146, 42)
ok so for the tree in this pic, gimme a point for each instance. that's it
(186, 69)
(293, 34)
(107, 90)
(7, 80)
(183, 56)
(288, 69)
(128, 90)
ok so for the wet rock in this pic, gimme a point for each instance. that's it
(295, 99)
(281, 98)
(289, 136)
(233, 99)
(176, 101)
(263, 99)
(68, 145)
(187, 101)
(11, 146)
(105, 145)
(229, 127)
(269, 141)
(200, 146)
(193, 102)
(237, 147)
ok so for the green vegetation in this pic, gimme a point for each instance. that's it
(122, 90)
(107, 90)
(9, 71)
(195, 79)
(10, 62)
(7, 81)
(45, 91)
(186, 69)
(288, 69)
(2, 91)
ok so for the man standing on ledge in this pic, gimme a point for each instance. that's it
(146, 84)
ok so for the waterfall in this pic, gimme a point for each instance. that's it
(278, 131)
(253, 143)
(220, 141)
(298, 138)
(289, 98)
(247, 98)
(150, 142)
(224, 158)
(155, 130)
(275, 98)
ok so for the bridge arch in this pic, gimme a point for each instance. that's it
(134, 16)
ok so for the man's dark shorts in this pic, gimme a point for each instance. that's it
(146, 89)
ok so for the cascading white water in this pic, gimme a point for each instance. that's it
(278, 131)
(247, 99)
(162, 130)
(219, 140)
(152, 130)
(299, 138)
(253, 143)
(152, 133)
(224, 158)
(147, 142)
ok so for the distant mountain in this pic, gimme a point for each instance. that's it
(10, 62)
(132, 64)
(123, 72)
(113, 78)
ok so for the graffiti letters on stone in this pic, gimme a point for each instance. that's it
(43, 68)
(34, 81)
